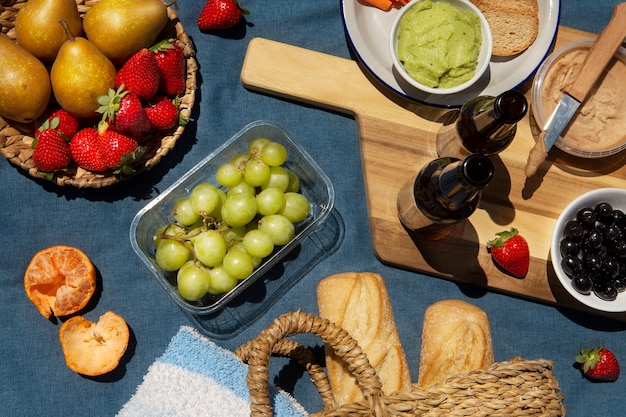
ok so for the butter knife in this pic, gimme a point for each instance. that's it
(575, 92)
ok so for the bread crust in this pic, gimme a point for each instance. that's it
(456, 338)
(359, 303)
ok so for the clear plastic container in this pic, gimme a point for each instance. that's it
(542, 115)
(314, 183)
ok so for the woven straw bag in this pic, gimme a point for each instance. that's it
(518, 387)
(16, 138)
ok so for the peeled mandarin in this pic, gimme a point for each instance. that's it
(60, 280)
(94, 349)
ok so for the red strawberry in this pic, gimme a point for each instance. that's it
(123, 111)
(510, 251)
(599, 363)
(172, 67)
(220, 14)
(118, 151)
(62, 121)
(51, 152)
(140, 74)
(86, 151)
(163, 113)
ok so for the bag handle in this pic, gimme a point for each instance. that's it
(257, 353)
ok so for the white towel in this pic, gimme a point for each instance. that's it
(195, 377)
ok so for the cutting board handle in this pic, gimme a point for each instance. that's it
(319, 79)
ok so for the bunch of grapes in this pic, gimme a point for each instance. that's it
(218, 235)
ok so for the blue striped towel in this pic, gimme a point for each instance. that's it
(195, 377)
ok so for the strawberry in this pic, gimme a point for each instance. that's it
(598, 363)
(172, 67)
(220, 14)
(163, 113)
(123, 111)
(62, 121)
(86, 151)
(51, 152)
(118, 151)
(510, 251)
(140, 74)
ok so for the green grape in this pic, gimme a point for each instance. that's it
(241, 188)
(270, 201)
(210, 247)
(228, 174)
(238, 264)
(171, 255)
(220, 282)
(204, 198)
(234, 234)
(256, 172)
(184, 212)
(294, 182)
(278, 227)
(239, 209)
(258, 243)
(168, 230)
(274, 154)
(193, 281)
(256, 146)
(240, 160)
(296, 207)
(279, 178)
(256, 261)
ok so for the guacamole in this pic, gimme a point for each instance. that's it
(438, 43)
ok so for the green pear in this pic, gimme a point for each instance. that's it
(37, 26)
(24, 83)
(119, 28)
(80, 74)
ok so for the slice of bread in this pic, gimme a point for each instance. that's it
(514, 25)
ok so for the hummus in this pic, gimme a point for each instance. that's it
(438, 43)
(600, 123)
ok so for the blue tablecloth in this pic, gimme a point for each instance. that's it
(33, 375)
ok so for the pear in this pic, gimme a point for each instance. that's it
(37, 26)
(119, 28)
(80, 74)
(24, 83)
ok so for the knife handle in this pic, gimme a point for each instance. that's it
(599, 55)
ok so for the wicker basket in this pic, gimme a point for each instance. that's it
(16, 139)
(518, 387)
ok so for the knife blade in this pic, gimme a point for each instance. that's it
(598, 57)
(594, 64)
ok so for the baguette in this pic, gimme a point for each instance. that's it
(514, 25)
(359, 303)
(456, 338)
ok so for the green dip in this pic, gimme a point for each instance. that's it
(438, 44)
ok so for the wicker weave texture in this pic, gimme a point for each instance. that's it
(16, 139)
(518, 387)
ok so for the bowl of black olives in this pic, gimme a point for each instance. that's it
(588, 249)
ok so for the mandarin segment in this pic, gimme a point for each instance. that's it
(60, 280)
(94, 349)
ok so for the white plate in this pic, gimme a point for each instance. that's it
(368, 30)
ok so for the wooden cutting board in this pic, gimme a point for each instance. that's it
(397, 138)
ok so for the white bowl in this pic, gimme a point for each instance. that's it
(484, 56)
(543, 110)
(617, 198)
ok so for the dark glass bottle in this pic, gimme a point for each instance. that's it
(444, 192)
(485, 125)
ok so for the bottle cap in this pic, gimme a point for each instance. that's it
(511, 106)
(478, 169)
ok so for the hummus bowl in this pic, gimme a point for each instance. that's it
(440, 46)
(599, 127)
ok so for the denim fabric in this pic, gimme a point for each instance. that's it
(36, 214)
